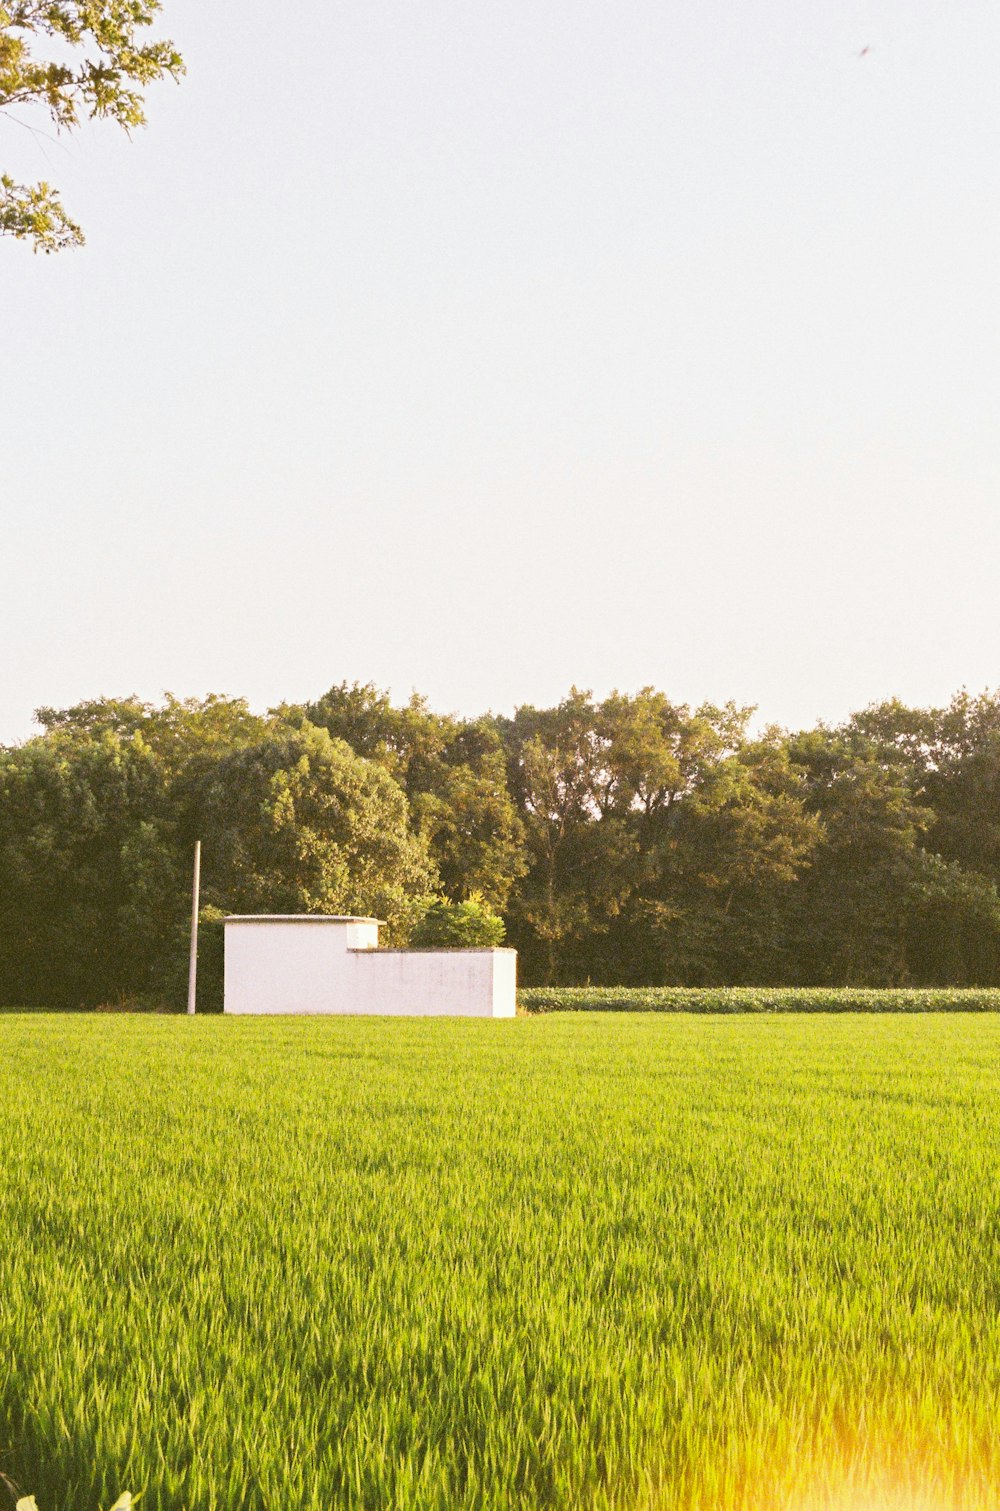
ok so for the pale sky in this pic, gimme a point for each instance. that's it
(487, 348)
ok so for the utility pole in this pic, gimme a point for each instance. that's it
(193, 961)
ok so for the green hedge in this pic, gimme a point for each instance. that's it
(757, 999)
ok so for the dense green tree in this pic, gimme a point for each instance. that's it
(88, 882)
(952, 923)
(299, 824)
(627, 840)
(177, 731)
(851, 907)
(952, 759)
(655, 752)
(577, 866)
(408, 741)
(97, 818)
(726, 864)
(601, 788)
(66, 59)
(454, 774)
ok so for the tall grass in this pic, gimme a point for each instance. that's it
(576, 1262)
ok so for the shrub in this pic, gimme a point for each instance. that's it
(471, 924)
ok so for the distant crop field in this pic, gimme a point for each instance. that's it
(758, 999)
(577, 1261)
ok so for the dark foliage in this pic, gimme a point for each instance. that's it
(629, 841)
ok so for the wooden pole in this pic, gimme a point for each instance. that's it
(193, 960)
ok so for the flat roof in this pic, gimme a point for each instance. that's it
(299, 918)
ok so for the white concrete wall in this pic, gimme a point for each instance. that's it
(304, 964)
(291, 965)
(444, 983)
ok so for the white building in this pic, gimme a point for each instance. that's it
(303, 963)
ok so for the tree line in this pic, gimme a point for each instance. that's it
(629, 840)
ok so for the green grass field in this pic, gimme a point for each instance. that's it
(572, 1261)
